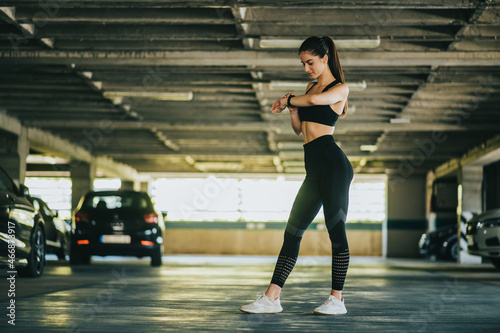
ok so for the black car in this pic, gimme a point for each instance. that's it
(441, 243)
(122, 223)
(22, 230)
(57, 231)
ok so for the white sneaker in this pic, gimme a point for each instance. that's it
(331, 306)
(263, 304)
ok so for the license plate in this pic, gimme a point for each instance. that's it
(115, 239)
(470, 241)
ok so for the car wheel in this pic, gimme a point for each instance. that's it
(452, 250)
(36, 258)
(156, 258)
(64, 250)
(495, 262)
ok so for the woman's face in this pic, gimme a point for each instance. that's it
(313, 64)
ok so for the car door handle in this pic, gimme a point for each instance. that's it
(10, 197)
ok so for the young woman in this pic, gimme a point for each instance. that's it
(328, 173)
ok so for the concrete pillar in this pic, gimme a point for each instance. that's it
(470, 180)
(82, 180)
(144, 186)
(406, 216)
(14, 150)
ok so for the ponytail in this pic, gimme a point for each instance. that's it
(325, 45)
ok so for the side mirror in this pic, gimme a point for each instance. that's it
(24, 190)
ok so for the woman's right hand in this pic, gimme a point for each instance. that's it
(276, 108)
(278, 105)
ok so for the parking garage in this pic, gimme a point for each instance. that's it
(173, 99)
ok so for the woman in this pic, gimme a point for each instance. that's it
(328, 173)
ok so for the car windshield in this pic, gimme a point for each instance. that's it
(117, 201)
(5, 182)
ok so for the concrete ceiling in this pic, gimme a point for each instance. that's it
(96, 73)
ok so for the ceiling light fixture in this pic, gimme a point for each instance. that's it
(219, 166)
(161, 96)
(368, 148)
(400, 120)
(290, 43)
(44, 159)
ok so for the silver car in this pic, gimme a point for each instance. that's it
(483, 236)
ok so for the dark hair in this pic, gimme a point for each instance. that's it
(324, 45)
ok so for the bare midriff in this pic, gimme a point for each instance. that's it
(311, 130)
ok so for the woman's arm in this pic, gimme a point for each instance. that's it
(294, 114)
(296, 123)
(278, 106)
(329, 97)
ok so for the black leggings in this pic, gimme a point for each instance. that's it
(328, 177)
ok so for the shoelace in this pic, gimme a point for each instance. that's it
(330, 300)
(260, 295)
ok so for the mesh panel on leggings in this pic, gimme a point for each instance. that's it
(340, 263)
(283, 268)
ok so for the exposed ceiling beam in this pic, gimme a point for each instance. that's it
(408, 4)
(481, 6)
(483, 154)
(9, 124)
(396, 156)
(280, 124)
(124, 15)
(429, 69)
(247, 58)
(47, 142)
(27, 30)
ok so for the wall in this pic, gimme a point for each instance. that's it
(239, 241)
(406, 220)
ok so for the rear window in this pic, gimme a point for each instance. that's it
(117, 201)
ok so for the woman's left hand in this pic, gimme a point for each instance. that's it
(276, 108)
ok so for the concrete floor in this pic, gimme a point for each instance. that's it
(203, 293)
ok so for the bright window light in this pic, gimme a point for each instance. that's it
(56, 192)
(107, 184)
(255, 200)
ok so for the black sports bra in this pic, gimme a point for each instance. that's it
(322, 114)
